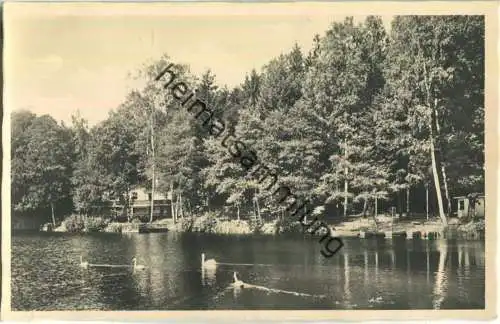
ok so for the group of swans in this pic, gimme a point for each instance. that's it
(135, 266)
(212, 264)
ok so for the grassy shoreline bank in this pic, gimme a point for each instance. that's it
(209, 223)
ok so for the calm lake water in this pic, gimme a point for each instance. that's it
(365, 274)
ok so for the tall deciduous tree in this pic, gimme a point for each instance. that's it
(41, 164)
(431, 57)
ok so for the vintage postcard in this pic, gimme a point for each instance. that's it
(288, 161)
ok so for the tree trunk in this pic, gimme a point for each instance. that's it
(153, 176)
(400, 204)
(432, 124)
(152, 195)
(446, 192)
(172, 207)
(437, 184)
(153, 165)
(258, 208)
(254, 207)
(427, 200)
(172, 210)
(435, 171)
(374, 214)
(181, 207)
(443, 168)
(408, 201)
(177, 206)
(365, 207)
(346, 172)
(53, 216)
(238, 211)
(376, 206)
(127, 206)
(346, 201)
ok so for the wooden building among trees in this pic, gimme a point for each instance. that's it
(140, 206)
(470, 206)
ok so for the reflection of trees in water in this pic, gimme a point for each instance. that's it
(347, 288)
(441, 285)
(167, 277)
(471, 263)
(364, 275)
(413, 274)
(365, 255)
(151, 282)
(408, 274)
(427, 263)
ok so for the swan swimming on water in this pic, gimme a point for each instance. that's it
(137, 266)
(83, 264)
(237, 283)
(211, 263)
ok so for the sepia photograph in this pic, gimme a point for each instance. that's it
(168, 157)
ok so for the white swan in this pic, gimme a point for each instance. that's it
(237, 283)
(83, 264)
(211, 263)
(137, 266)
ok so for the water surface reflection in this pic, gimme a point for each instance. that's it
(365, 274)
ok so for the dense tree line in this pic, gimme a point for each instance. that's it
(366, 117)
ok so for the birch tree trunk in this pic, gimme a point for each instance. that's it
(443, 168)
(432, 113)
(446, 192)
(53, 216)
(437, 184)
(258, 209)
